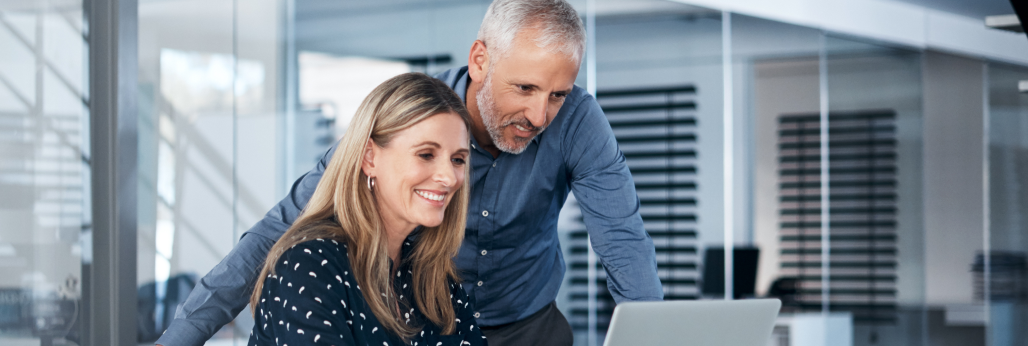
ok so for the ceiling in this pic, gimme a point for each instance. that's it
(317, 9)
(325, 8)
(967, 8)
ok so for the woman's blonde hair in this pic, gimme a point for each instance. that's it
(342, 196)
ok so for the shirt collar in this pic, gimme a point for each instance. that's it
(462, 85)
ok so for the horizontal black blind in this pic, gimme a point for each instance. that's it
(862, 211)
(656, 130)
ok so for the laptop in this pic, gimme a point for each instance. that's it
(693, 322)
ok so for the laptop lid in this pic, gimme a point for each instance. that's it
(693, 322)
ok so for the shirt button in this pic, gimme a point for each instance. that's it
(480, 283)
(485, 213)
(484, 252)
(494, 164)
(477, 314)
(473, 146)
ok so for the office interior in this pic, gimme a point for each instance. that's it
(738, 120)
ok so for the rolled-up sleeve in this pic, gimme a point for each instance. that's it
(604, 188)
(225, 290)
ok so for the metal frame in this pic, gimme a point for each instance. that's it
(591, 338)
(728, 153)
(826, 203)
(110, 280)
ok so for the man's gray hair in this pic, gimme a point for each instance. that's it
(561, 29)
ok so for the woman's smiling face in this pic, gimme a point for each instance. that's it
(417, 173)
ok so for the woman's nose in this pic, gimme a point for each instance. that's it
(445, 175)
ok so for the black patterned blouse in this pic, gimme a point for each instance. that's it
(314, 300)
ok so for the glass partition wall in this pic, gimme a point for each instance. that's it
(45, 213)
(836, 185)
(779, 96)
(776, 97)
(211, 101)
(1000, 276)
(658, 80)
(874, 188)
(876, 259)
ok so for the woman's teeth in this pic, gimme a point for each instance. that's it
(430, 196)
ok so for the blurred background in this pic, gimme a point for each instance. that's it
(866, 161)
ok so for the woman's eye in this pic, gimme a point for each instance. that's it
(523, 87)
(458, 161)
(425, 156)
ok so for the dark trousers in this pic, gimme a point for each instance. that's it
(548, 327)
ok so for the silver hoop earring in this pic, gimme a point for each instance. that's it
(371, 184)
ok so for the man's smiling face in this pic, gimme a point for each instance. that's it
(523, 91)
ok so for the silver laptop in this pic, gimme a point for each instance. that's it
(693, 322)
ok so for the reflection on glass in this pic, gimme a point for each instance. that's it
(336, 86)
(1005, 284)
(872, 96)
(197, 81)
(658, 80)
(876, 232)
(777, 75)
(45, 222)
(208, 151)
(347, 48)
(777, 93)
(212, 88)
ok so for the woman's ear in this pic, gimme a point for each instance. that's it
(368, 159)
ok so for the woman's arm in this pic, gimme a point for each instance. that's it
(467, 326)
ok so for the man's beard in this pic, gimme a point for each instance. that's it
(487, 110)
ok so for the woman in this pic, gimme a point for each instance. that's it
(369, 261)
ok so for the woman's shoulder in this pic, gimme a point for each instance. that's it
(322, 253)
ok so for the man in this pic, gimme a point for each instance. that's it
(519, 82)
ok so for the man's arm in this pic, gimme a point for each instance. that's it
(605, 191)
(225, 290)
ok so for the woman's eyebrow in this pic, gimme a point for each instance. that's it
(429, 143)
(464, 151)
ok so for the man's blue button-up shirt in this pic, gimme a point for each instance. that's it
(510, 244)
(510, 261)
